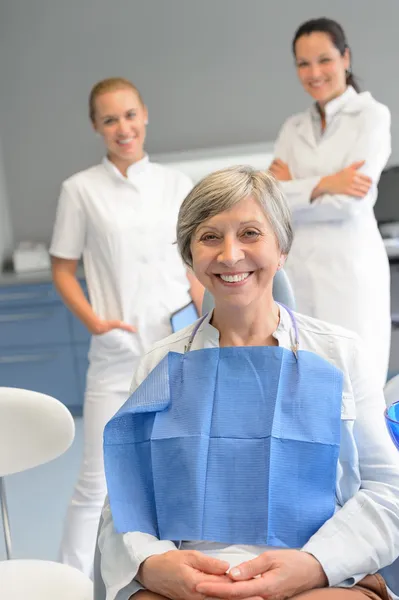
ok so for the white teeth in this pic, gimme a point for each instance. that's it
(125, 141)
(234, 278)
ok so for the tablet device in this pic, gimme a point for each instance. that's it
(184, 317)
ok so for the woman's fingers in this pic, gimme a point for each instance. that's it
(360, 178)
(127, 327)
(207, 564)
(252, 568)
(121, 325)
(359, 186)
(239, 590)
(357, 191)
(366, 185)
(357, 165)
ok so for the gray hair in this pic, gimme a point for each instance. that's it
(223, 189)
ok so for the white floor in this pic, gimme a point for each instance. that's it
(37, 501)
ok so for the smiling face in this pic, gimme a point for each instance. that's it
(236, 255)
(120, 118)
(321, 67)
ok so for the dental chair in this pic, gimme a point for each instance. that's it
(34, 429)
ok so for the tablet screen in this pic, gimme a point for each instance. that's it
(183, 317)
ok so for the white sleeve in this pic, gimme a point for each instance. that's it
(373, 145)
(69, 233)
(187, 186)
(184, 187)
(296, 191)
(363, 536)
(123, 553)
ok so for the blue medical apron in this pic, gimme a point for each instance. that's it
(237, 445)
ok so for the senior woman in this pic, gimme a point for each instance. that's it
(252, 459)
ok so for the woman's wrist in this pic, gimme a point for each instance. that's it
(139, 574)
(319, 578)
(321, 188)
(93, 324)
(145, 566)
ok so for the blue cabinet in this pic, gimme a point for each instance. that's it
(43, 347)
(47, 369)
(32, 326)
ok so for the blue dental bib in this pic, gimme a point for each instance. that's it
(236, 445)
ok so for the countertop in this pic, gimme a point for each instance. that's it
(8, 278)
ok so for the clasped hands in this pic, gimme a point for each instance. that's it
(191, 575)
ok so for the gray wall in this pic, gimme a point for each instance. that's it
(5, 222)
(213, 72)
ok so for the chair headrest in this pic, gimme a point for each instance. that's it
(34, 429)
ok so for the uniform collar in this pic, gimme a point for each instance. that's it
(336, 105)
(284, 334)
(133, 170)
(350, 102)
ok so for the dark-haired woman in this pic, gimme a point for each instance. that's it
(329, 160)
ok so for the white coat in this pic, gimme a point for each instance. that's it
(125, 227)
(363, 535)
(338, 264)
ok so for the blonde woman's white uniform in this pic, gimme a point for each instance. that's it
(125, 228)
(338, 265)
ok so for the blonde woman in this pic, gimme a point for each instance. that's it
(121, 217)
